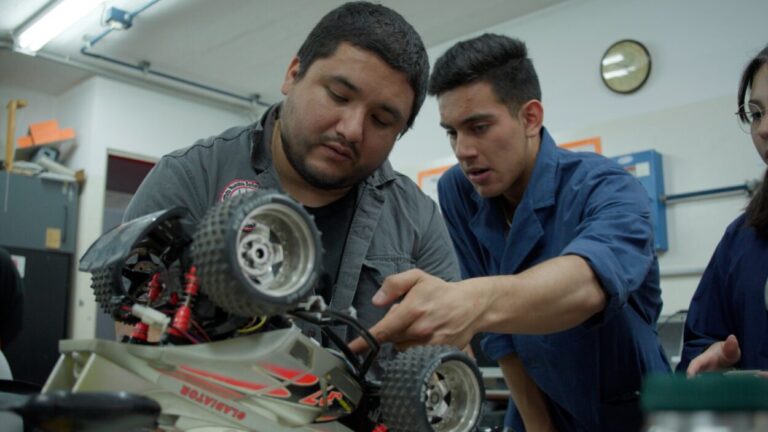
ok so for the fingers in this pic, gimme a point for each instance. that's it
(707, 361)
(358, 346)
(386, 330)
(693, 368)
(396, 286)
(719, 355)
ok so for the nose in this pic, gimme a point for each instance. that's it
(463, 147)
(351, 124)
(762, 128)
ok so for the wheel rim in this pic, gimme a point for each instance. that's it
(452, 397)
(275, 250)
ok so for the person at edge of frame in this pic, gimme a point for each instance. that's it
(727, 322)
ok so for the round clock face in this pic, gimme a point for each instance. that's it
(625, 66)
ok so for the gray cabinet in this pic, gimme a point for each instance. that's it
(38, 219)
(37, 213)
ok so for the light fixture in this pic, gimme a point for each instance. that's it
(51, 21)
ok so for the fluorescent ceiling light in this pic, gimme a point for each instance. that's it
(52, 22)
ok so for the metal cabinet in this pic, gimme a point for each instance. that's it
(38, 213)
(38, 219)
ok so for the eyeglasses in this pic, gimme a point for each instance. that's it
(749, 117)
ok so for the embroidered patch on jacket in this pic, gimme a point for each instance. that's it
(237, 187)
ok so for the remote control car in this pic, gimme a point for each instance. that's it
(214, 339)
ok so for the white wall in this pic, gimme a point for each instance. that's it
(685, 110)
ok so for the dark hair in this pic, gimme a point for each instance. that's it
(498, 60)
(757, 209)
(374, 28)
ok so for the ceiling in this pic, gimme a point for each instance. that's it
(240, 46)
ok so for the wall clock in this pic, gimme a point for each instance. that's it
(625, 66)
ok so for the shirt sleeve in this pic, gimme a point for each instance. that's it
(614, 236)
(709, 319)
(169, 184)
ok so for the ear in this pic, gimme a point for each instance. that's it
(291, 75)
(532, 114)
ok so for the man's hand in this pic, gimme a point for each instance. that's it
(432, 312)
(719, 355)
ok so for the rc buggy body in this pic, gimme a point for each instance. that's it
(215, 342)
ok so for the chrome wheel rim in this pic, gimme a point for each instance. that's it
(452, 397)
(275, 250)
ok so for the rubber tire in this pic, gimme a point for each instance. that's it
(214, 253)
(104, 290)
(403, 389)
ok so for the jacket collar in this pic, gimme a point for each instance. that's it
(541, 186)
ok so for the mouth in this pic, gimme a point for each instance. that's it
(339, 150)
(477, 175)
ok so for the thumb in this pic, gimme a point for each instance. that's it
(396, 286)
(731, 351)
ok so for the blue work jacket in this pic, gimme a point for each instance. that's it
(575, 204)
(731, 299)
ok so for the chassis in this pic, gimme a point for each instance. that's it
(214, 339)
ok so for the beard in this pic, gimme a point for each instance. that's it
(297, 153)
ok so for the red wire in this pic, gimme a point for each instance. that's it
(200, 329)
(186, 335)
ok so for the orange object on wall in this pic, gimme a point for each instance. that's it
(45, 132)
(24, 141)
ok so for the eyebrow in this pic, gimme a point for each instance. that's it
(345, 82)
(755, 102)
(394, 112)
(470, 119)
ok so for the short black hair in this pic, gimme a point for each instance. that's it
(374, 28)
(498, 60)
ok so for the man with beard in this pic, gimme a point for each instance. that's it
(354, 87)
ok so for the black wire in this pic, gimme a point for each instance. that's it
(373, 344)
(337, 317)
(345, 349)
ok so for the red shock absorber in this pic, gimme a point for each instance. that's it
(155, 287)
(141, 330)
(181, 319)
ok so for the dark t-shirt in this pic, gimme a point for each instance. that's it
(333, 221)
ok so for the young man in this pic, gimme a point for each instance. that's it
(354, 87)
(556, 251)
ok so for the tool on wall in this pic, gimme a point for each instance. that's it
(13, 105)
